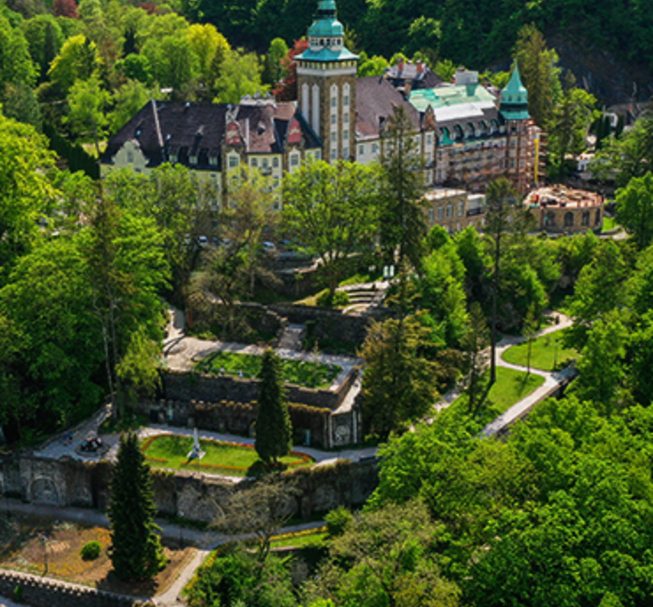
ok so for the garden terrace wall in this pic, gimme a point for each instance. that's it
(200, 497)
(189, 385)
(331, 324)
(238, 418)
(44, 592)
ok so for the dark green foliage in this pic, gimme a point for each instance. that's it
(235, 577)
(136, 551)
(91, 551)
(273, 427)
(74, 154)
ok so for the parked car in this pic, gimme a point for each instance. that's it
(202, 241)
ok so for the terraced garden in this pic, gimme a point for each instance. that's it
(299, 372)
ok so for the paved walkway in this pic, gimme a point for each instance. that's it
(552, 380)
(205, 541)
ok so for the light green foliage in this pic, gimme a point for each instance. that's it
(440, 291)
(273, 427)
(87, 102)
(139, 367)
(547, 352)
(211, 49)
(135, 551)
(424, 37)
(399, 384)
(44, 38)
(240, 75)
(174, 64)
(628, 156)
(15, 62)
(371, 66)
(274, 70)
(331, 209)
(570, 124)
(599, 290)
(77, 60)
(635, 209)
(236, 578)
(600, 366)
(128, 99)
(337, 521)
(135, 67)
(25, 189)
(446, 69)
(385, 557)
(541, 77)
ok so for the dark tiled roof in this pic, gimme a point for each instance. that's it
(423, 80)
(198, 130)
(376, 99)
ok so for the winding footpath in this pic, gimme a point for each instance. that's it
(180, 351)
(552, 380)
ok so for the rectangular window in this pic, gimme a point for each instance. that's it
(345, 100)
(334, 153)
(254, 162)
(334, 101)
(431, 215)
(333, 118)
(375, 148)
(440, 212)
(275, 162)
(345, 134)
(361, 149)
(461, 207)
(346, 117)
(233, 162)
(294, 160)
(318, 155)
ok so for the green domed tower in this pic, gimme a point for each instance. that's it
(520, 131)
(326, 84)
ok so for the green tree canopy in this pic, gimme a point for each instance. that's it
(273, 427)
(635, 209)
(136, 551)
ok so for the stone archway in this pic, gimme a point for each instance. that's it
(44, 491)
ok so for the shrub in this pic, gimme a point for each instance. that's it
(325, 300)
(337, 520)
(18, 594)
(91, 551)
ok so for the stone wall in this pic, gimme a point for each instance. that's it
(187, 386)
(330, 324)
(44, 592)
(238, 418)
(199, 497)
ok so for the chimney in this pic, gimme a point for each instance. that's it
(420, 67)
(400, 65)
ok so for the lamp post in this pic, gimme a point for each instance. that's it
(44, 540)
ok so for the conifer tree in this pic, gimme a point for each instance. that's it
(273, 427)
(136, 551)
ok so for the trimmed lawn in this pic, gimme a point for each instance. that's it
(548, 353)
(609, 223)
(511, 386)
(312, 537)
(298, 372)
(171, 451)
(22, 549)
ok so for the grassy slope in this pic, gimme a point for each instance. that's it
(546, 350)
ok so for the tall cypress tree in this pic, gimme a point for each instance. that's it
(273, 427)
(136, 551)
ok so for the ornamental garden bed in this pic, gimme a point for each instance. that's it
(298, 372)
(231, 459)
(23, 548)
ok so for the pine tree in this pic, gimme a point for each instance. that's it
(136, 551)
(273, 427)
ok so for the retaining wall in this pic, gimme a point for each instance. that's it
(45, 592)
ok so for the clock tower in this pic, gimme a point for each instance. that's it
(326, 84)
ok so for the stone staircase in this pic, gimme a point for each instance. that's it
(365, 295)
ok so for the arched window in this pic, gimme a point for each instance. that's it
(569, 220)
(550, 219)
(586, 218)
(449, 210)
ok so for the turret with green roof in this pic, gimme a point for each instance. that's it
(514, 98)
(326, 36)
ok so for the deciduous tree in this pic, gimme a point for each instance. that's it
(635, 209)
(331, 211)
